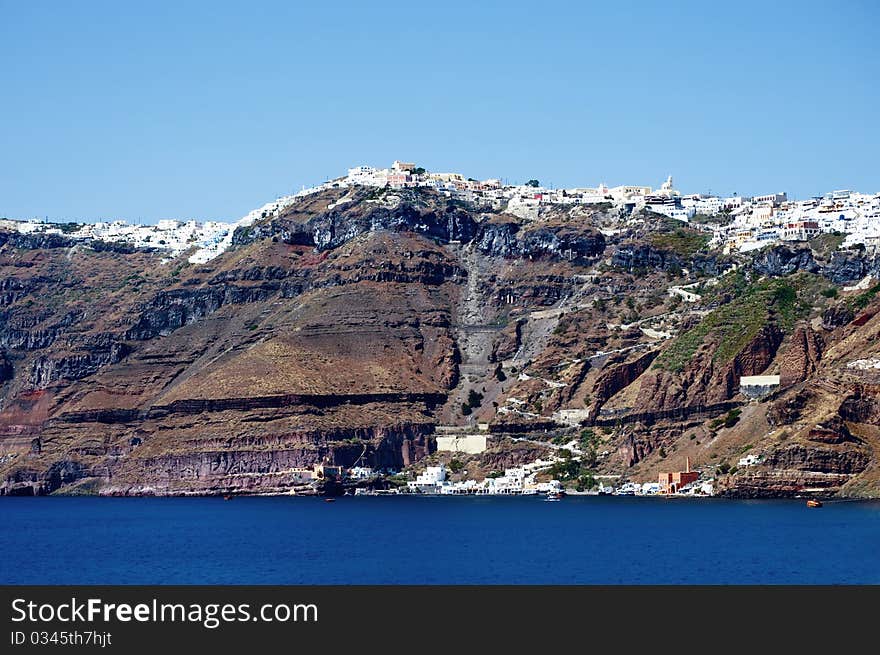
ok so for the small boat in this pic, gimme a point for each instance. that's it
(329, 500)
(227, 497)
(553, 496)
(812, 502)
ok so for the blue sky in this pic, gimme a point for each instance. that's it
(206, 110)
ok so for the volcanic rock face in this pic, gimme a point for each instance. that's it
(802, 356)
(839, 268)
(346, 329)
(643, 256)
(837, 316)
(704, 381)
(834, 430)
(615, 378)
(781, 260)
(45, 370)
(6, 371)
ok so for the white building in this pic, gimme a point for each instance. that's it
(773, 198)
(430, 480)
(669, 209)
(800, 231)
(360, 472)
(749, 460)
(709, 206)
(471, 444)
(512, 482)
(757, 386)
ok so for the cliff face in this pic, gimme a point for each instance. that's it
(326, 335)
(706, 381)
(801, 359)
(347, 328)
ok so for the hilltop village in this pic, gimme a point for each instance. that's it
(736, 223)
(401, 331)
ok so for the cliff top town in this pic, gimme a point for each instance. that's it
(736, 223)
(401, 330)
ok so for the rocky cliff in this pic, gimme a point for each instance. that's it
(350, 326)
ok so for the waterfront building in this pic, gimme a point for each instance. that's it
(429, 481)
(302, 475)
(670, 483)
(324, 471)
(512, 482)
(360, 472)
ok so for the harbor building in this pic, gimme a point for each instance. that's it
(327, 471)
(671, 483)
(430, 480)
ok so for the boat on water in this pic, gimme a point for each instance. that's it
(227, 497)
(553, 496)
(329, 500)
(812, 502)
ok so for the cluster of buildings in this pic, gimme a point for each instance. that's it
(519, 480)
(167, 235)
(756, 221)
(674, 483)
(524, 199)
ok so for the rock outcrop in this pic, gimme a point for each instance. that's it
(779, 261)
(703, 381)
(802, 356)
(632, 256)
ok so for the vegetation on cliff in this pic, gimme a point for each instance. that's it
(734, 325)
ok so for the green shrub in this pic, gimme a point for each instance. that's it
(586, 482)
(732, 418)
(681, 241)
(864, 299)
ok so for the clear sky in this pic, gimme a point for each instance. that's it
(206, 110)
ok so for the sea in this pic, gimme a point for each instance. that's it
(437, 540)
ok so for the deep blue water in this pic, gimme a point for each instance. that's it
(468, 540)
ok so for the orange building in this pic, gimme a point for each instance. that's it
(670, 483)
